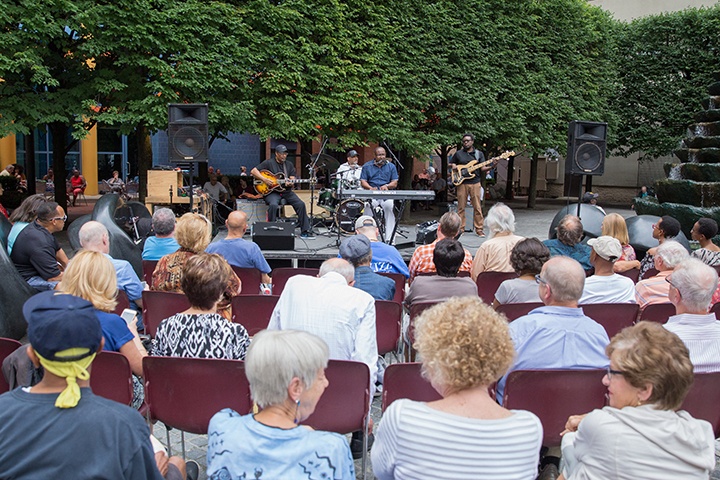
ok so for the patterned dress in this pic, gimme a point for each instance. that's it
(200, 335)
(708, 257)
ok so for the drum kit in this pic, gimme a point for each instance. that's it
(343, 212)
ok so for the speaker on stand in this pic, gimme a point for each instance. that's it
(585, 155)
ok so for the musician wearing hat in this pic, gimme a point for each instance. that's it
(348, 174)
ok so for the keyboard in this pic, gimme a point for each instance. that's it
(389, 194)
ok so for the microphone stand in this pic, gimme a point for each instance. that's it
(313, 179)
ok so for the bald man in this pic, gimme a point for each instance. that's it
(237, 251)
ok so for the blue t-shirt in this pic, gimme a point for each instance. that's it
(381, 288)
(386, 259)
(378, 176)
(240, 253)
(579, 252)
(241, 447)
(115, 330)
(155, 248)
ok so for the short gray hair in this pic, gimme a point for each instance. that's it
(566, 278)
(696, 283)
(163, 221)
(672, 253)
(450, 224)
(338, 265)
(570, 230)
(91, 234)
(500, 218)
(275, 357)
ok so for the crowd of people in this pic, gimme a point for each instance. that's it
(467, 348)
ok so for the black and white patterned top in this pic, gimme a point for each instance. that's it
(708, 257)
(206, 335)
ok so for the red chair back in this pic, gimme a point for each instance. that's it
(388, 316)
(251, 279)
(657, 312)
(488, 283)
(399, 280)
(157, 306)
(148, 267)
(633, 274)
(649, 273)
(612, 316)
(185, 393)
(514, 311)
(715, 309)
(404, 380)
(111, 377)
(123, 302)
(415, 310)
(703, 398)
(280, 276)
(7, 346)
(253, 311)
(554, 395)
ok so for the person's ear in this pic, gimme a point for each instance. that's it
(295, 389)
(102, 345)
(32, 356)
(645, 393)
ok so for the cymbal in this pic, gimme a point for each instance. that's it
(326, 161)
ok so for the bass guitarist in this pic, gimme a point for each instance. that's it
(472, 186)
(276, 166)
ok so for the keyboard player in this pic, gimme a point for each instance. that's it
(381, 175)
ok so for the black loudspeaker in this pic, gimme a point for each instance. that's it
(273, 235)
(426, 232)
(188, 132)
(586, 148)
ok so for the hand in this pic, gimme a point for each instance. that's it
(161, 460)
(132, 325)
(288, 184)
(383, 187)
(572, 423)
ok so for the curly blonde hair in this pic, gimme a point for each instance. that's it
(463, 343)
(90, 275)
(193, 232)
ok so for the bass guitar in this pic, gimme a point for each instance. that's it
(278, 182)
(460, 173)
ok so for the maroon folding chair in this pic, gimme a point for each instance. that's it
(554, 395)
(112, 377)
(715, 309)
(399, 280)
(7, 346)
(345, 405)
(253, 311)
(185, 393)
(415, 310)
(251, 279)
(633, 274)
(157, 306)
(703, 398)
(280, 276)
(657, 312)
(148, 267)
(612, 316)
(649, 273)
(388, 317)
(516, 310)
(488, 283)
(123, 302)
(404, 380)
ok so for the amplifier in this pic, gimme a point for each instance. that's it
(273, 235)
(426, 232)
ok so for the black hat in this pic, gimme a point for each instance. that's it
(352, 153)
(280, 149)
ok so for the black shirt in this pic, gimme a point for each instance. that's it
(35, 253)
(462, 157)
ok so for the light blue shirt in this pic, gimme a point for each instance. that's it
(387, 259)
(14, 232)
(556, 338)
(578, 252)
(155, 248)
(240, 253)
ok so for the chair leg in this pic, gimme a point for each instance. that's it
(169, 446)
(364, 451)
(182, 443)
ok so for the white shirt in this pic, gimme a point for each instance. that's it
(328, 307)
(701, 335)
(350, 174)
(214, 190)
(613, 288)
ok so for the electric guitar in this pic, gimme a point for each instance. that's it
(278, 182)
(460, 173)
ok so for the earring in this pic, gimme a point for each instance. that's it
(297, 407)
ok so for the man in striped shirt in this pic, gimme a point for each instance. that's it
(692, 285)
(655, 289)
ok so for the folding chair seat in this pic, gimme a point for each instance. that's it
(657, 312)
(7, 346)
(399, 280)
(157, 306)
(148, 267)
(703, 399)
(488, 283)
(514, 311)
(633, 274)
(612, 316)
(251, 279)
(111, 377)
(388, 318)
(405, 380)
(253, 311)
(554, 395)
(280, 276)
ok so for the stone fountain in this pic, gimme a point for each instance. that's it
(692, 187)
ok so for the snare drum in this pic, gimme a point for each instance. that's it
(327, 200)
(347, 213)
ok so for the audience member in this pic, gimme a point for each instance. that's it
(465, 347)
(37, 255)
(23, 216)
(591, 199)
(163, 242)
(606, 286)
(557, 335)
(422, 260)
(49, 181)
(358, 252)
(385, 258)
(448, 255)
(614, 225)
(567, 243)
(59, 428)
(664, 229)
(200, 332)
(116, 183)
(703, 232)
(286, 372)
(77, 185)
(641, 433)
(3, 210)
(8, 171)
(193, 235)
(237, 251)
(692, 285)
(527, 259)
(494, 254)
(655, 289)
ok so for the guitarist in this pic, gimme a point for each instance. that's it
(471, 186)
(276, 166)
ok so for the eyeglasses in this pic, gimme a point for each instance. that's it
(539, 279)
(63, 218)
(667, 279)
(610, 372)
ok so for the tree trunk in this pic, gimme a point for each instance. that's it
(144, 149)
(532, 187)
(510, 176)
(59, 146)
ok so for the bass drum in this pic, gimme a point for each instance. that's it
(347, 213)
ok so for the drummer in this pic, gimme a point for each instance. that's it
(348, 174)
